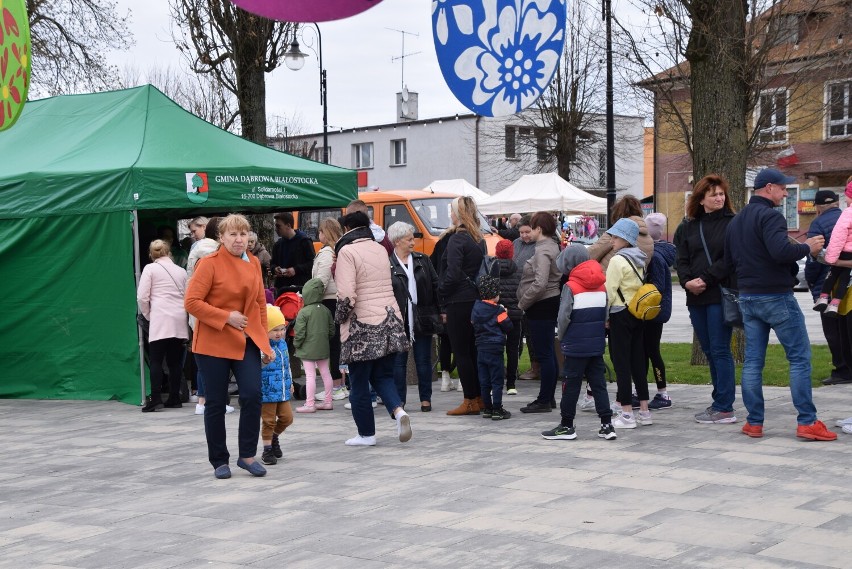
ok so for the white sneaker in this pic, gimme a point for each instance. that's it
(844, 422)
(587, 403)
(446, 381)
(339, 393)
(847, 429)
(622, 422)
(349, 405)
(456, 385)
(403, 427)
(193, 398)
(616, 408)
(320, 396)
(360, 441)
(511, 391)
(644, 418)
(229, 409)
(199, 409)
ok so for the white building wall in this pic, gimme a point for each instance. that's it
(447, 148)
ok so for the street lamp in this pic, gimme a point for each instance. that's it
(294, 59)
(610, 121)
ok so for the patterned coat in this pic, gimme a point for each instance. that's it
(370, 323)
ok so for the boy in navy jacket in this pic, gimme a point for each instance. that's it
(490, 324)
(582, 334)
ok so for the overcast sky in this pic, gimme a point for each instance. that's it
(357, 55)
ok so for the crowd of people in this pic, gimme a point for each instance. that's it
(368, 299)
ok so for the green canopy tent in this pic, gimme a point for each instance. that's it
(76, 173)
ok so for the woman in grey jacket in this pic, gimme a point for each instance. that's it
(538, 297)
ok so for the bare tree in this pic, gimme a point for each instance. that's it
(236, 48)
(70, 40)
(708, 64)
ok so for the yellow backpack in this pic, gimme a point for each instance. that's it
(645, 303)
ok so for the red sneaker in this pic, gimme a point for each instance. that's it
(815, 432)
(754, 431)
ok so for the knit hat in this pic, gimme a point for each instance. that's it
(656, 223)
(274, 317)
(849, 189)
(627, 229)
(489, 287)
(827, 197)
(505, 249)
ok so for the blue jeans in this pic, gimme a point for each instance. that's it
(216, 375)
(489, 363)
(542, 333)
(378, 374)
(781, 313)
(422, 361)
(715, 340)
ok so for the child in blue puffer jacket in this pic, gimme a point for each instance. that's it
(276, 385)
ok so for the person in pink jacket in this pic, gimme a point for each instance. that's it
(839, 248)
(160, 299)
(371, 329)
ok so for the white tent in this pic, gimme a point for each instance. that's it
(459, 187)
(542, 192)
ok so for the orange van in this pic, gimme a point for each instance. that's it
(428, 212)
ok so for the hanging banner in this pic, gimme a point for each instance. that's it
(498, 56)
(306, 10)
(14, 60)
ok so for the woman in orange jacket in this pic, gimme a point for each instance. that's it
(226, 296)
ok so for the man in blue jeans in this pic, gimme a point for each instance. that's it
(757, 247)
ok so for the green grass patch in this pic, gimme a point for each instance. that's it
(776, 372)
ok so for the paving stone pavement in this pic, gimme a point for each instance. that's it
(98, 484)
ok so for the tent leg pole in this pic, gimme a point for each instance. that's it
(138, 272)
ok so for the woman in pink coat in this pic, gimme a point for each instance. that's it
(160, 298)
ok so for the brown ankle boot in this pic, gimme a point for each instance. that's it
(532, 373)
(477, 404)
(464, 409)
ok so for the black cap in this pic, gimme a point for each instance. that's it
(825, 197)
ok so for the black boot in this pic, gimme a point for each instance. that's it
(152, 404)
(276, 447)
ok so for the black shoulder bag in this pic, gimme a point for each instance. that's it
(731, 314)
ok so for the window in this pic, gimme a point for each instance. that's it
(317, 154)
(511, 143)
(362, 155)
(309, 221)
(771, 116)
(541, 150)
(784, 28)
(398, 154)
(839, 100)
(397, 212)
(602, 167)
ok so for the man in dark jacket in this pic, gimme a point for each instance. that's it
(511, 231)
(292, 255)
(764, 258)
(828, 210)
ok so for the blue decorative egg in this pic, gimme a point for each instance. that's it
(498, 56)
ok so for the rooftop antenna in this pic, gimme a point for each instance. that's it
(403, 55)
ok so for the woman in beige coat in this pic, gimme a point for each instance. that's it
(627, 207)
(371, 329)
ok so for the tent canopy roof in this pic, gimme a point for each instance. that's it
(459, 186)
(138, 149)
(542, 192)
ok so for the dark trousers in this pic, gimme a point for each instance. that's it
(627, 352)
(445, 353)
(378, 374)
(513, 351)
(463, 342)
(838, 276)
(422, 352)
(651, 336)
(528, 336)
(573, 372)
(839, 339)
(216, 373)
(489, 362)
(171, 350)
(542, 333)
(333, 342)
